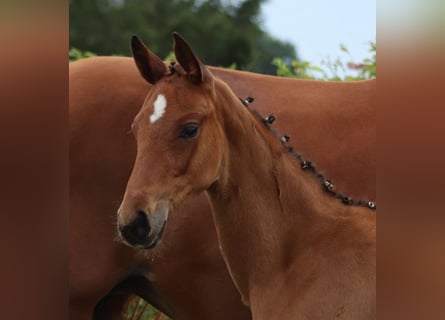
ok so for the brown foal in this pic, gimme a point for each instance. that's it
(293, 251)
(186, 276)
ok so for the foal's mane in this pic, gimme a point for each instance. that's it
(306, 165)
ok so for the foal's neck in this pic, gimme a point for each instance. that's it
(263, 205)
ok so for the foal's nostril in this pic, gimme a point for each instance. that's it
(141, 224)
(137, 231)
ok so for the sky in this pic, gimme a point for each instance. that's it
(317, 27)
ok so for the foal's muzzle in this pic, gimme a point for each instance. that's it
(136, 232)
(145, 230)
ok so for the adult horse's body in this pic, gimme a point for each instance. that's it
(293, 251)
(188, 278)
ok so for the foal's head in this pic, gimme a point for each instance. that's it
(179, 142)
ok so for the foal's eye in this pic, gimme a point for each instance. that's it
(189, 131)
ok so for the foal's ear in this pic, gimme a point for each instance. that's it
(150, 66)
(195, 69)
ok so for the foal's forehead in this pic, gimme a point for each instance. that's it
(176, 90)
(167, 100)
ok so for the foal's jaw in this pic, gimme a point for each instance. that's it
(143, 229)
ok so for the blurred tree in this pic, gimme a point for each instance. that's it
(266, 50)
(221, 32)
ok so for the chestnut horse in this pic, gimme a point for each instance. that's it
(293, 250)
(185, 276)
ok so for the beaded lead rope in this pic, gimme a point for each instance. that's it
(307, 165)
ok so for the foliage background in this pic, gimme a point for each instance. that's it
(223, 33)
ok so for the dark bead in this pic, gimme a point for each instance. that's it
(269, 119)
(346, 200)
(285, 138)
(306, 164)
(244, 102)
(248, 101)
(172, 67)
(328, 185)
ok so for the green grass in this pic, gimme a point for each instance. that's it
(138, 309)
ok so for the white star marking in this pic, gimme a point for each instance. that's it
(159, 107)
